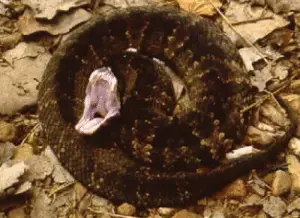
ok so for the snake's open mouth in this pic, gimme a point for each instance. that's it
(101, 103)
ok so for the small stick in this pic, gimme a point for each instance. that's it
(111, 214)
(272, 95)
(251, 20)
(5, 29)
(59, 188)
(32, 131)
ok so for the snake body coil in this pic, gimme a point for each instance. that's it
(151, 155)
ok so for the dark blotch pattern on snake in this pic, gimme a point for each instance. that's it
(151, 154)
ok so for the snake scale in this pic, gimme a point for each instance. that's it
(163, 149)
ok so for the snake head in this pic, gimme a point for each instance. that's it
(101, 103)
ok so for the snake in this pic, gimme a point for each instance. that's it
(163, 145)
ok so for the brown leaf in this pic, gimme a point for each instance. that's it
(19, 80)
(10, 174)
(46, 9)
(200, 7)
(265, 22)
(62, 24)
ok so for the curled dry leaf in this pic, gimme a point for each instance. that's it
(41, 205)
(186, 213)
(261, 77)
(39, 167)
(297, 19)
(23, 50)
(3, 9)
(24, 187)
(294, 146)
(243, 12)
(274, 206)
(200, 7)
(10, 174)
(60, 175)
(294, 170)
(9, 40)
(62, 24)
(293, 99)
(284, 5)
(6, 151)
(20, 78)
(295, 205)
(235, 190)
(5, 2)
(249, 57)
(281, 183)
(101, 204)
(46, 9)
(278, 71)
(7, 131)
(270, 124)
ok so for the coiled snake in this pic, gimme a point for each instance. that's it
(166, 147)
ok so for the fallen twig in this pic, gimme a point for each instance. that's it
(251, 20)
(59, 188)
(111, 214)
(32, 131)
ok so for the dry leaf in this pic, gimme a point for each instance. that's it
(3, 9)
(9, 40)
(23, 50)
(19, 80)
(249, 56)
(241, 12)
(60, 175)
(9, 175)
(284, 5)
(271, 53)
(200, 7)
(281, 70)
(39, 167)
(41, 205)
(294, 205)
(62, 24)
(274, 206)
(23, 187)
(6, 151)
(47, 9)
(101, 203)
(5, 2)
(261, 77)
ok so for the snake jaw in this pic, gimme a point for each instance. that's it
(102, 98)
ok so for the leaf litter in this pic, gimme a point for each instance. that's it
(55, 193)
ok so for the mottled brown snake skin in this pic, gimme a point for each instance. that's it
(150, 157)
